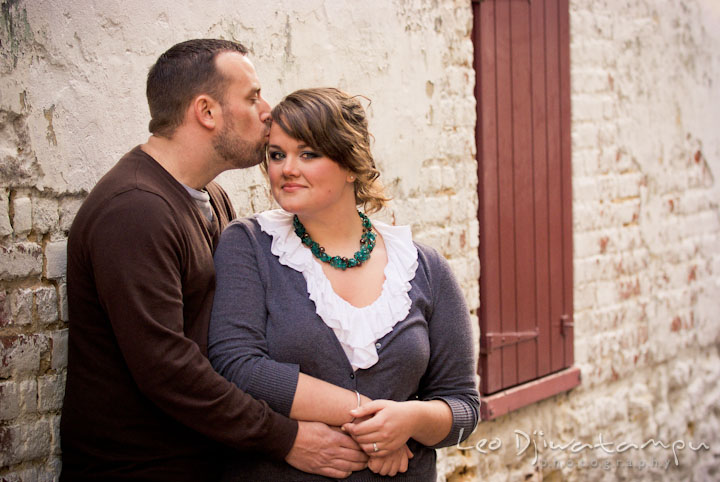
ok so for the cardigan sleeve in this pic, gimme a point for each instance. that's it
(450, 374)
(138, 269)
(237, 344)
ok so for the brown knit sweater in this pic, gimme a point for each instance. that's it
(142, 401)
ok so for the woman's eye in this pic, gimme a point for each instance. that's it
(276, 156)
(309, 155)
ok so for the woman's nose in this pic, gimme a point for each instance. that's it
(289, 168)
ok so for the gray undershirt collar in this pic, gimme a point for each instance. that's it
(202, 200)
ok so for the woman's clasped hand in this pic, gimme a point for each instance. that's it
(382, 428)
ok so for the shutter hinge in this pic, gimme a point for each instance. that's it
(492, 341)
(566, 325)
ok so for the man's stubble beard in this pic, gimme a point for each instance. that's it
(237, 152)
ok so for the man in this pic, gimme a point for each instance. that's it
(142, 401)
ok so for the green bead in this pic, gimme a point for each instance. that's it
(367, 243)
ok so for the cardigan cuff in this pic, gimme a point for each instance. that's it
(276, 384)
(463, 424)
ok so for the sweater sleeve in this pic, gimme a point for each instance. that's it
(138, 269)
(450, 375)
(237, 344)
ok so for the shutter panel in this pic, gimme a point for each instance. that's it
(523, 139)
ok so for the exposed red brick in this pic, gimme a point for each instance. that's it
(8, 341)
(4, 317)
(6, 441)
(629, 289)
(676, 324)
(603, 244)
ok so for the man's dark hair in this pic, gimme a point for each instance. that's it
(183, 72)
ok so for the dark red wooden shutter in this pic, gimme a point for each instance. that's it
(524, 187)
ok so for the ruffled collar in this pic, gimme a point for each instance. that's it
(357, 329)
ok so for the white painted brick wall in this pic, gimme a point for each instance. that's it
(9, 400)
(56, 260)
(45, 214)
(46, 304)
(51, 389)
(21, 354)
(62, 294)
(20, 260)
(645, 221)
(22, 219)
(5, 226)
(59, 353)
(26, 441)
(21, 306)
(67, 210)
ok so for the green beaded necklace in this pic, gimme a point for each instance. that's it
(367, 243)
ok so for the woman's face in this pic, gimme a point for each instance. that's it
(304, 181)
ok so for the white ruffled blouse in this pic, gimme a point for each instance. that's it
(357, 329)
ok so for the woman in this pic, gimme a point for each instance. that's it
(319, 325)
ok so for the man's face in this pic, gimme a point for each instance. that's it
(245, 126)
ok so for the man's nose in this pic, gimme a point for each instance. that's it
(265, 111)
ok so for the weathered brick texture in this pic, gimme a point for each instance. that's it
(646, 225)
(20, 259)
(51, 389)
(21, 354)
(58, 355)
(5, 226)
(45, 215)
(24, 441)
(56, 260)
(20, 306)
(22, 219)
(33, 301)
(9, 400)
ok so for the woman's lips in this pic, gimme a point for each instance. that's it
(292, 187)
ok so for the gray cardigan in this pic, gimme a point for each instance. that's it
(264, 330)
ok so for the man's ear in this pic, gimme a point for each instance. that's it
(206, 111)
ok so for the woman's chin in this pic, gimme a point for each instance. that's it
(289, 207)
